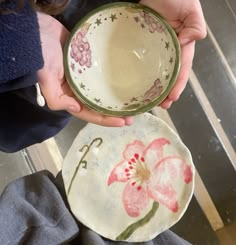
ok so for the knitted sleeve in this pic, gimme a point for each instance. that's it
(20, 48)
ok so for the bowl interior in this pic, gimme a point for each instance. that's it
(122, 58)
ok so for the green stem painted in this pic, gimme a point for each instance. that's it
(87, 147)
(131, 228)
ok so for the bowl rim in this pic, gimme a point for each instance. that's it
(125, 112)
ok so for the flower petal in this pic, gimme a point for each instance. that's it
(176, 167)
(135, 147)
(135, 199)
(160, 186)
(119, 173)
(154, 151)
(162, 191)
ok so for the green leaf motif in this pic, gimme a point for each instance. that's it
(133, 227)
(83, 163)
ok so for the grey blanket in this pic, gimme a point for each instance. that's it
(34, 211)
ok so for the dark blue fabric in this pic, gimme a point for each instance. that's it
(20, 82)
(24, 123)
(77, 9)
(20, 48)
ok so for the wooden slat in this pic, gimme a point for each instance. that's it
(222, 56)
(46, 156)
(213, 119)
(200, 190)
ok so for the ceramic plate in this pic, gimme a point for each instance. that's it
(122, 59)
(129, 183)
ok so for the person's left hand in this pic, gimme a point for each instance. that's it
(52, 82)
(186, 18)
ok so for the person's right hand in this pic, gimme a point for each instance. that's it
(52, 82)
(186, 18)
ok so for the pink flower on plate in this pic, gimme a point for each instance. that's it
(80, 49)
(149, 175)
(153, 92)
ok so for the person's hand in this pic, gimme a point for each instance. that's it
(186, 17)
(52, 82)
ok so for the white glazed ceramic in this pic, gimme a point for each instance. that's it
(129, 183)
(122, 59)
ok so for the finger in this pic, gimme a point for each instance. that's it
(190, 34)
(55, 97)
(187, 53)
(166, 104)
(67, 103)
(128, 121)
(87, 114)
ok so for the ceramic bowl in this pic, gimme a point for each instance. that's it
(122, 59)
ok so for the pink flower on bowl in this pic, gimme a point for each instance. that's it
(149, 176)
(152, 23)
(153, 92)
(80, 49)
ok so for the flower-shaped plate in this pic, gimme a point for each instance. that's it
(129, 183)
(122, 59)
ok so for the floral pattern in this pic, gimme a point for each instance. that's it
(153, 25)
(153, 92)
(149, 176)
(80, 49)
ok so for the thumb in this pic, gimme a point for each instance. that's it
(57, 94)
(67, 103)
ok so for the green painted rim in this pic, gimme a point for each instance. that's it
(140, 109)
